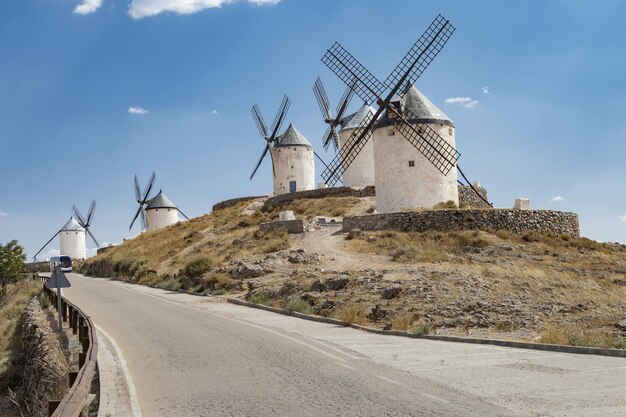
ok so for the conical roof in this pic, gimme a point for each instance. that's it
(72, 225)
(160, 201)
(416, 107)
(292, 137)
(355, 119)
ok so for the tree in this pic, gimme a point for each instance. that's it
(12, 260)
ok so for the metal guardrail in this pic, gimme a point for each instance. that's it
(72, 404)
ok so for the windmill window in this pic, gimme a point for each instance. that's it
(450, 131)
(391, 132)
(411, 163)
(292, 167)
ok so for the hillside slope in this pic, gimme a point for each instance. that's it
(525, 287)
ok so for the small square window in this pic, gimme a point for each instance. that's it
(411, 163)
(450, 131)
(391, 132)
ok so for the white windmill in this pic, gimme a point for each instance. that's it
(156, 212)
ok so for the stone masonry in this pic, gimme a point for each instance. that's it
(518, 221)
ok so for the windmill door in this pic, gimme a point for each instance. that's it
(292, 186)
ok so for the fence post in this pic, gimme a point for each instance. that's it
(64, 310)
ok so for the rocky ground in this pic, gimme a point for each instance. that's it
(532, 287)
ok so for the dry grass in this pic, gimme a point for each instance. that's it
(10, 314)
(351, 313)
(309, 208)
(579, 336)
(402, 321)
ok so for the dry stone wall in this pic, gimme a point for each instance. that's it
(518, 221)
(233, 201)
(292, 226)
(45, 367)
(469, 199)
(279, 200)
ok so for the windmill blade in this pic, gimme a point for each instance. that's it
(43, 247)
(280, 116)
(428, 142)
(322, 99)
(93, 237)
(258, 119)
(267, 148)
(139, 210)
(320, 158)
(144, 220)
(349, 151)
(184, 215)
(146, 192)
(273, 169)
(92, 210)
(137, 190)
(79, 216)
(330, 137)
(421, 54)
(352, 73)
(344, 102)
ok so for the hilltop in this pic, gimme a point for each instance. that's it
(531, 286)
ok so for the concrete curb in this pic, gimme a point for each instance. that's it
(504, 343)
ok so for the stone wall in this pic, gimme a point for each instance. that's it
(469, 199)
(517, 221)
(292, 226)
(45, 367)
(233, 201)
(282, 199)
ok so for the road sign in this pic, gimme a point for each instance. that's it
(57, 280)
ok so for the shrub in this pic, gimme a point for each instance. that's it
(421, 329)
(402, 321)
(411, 254)
(272, 240)
(351, 313)
(299, 305)
(170, 284)
(197, 266)
(448, 205)
(261, 298)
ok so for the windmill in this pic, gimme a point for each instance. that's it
(142, 200)
(269, 136)
(333, 122)
(86, 222)
(427, 141)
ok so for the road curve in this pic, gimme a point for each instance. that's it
(188, 357)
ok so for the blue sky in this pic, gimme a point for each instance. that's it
(550, 126)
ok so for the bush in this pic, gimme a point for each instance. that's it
(170, 284)
(421, 329)
(448, 205)
(272, 241)
(261, 298)
(411, 254)
(299, 305)
(197, 266)
(351, 313)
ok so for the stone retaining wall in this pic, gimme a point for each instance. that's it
(292, 226)
(280, 200)
(469, 199)
(233, 201)
(517, 221)
(45, 367)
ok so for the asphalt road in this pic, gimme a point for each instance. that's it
(186, 356)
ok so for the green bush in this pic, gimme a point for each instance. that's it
(197, 266)
(299, 305)
(261, 298)
(421, 329)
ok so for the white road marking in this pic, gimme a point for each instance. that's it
(132, 392)
(384, 378)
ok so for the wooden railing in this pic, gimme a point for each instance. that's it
(72, 404)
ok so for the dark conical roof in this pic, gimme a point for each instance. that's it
(160, 201)
(292, 137)
(354, 120)
(416, 107)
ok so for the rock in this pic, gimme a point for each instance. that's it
(354, 233)
(391, 292)
(621, 325)
(335, 284)
(376, 313)
(245, 271)
(387, 326)
(318, 286)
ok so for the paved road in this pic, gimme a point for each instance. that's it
(191, 357)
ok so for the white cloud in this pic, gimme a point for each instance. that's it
(88, 6)
(486, 89)
(622, 218)
(144, 8)
(467, 102)
(3, 213)
(49, 254)
(557, 198)
(137, 110)
(214, 111)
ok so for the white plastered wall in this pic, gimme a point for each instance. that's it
(403, 187)
(360, 173)
(160, 217)
(293, 163)
(73, 244)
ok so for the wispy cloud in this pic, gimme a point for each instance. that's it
(137, 110)
(139, 9)
(3, 213)
(88, 6)
(622, 218)
(467, 102)
(486, 89)
(557, 198)
(214, 111)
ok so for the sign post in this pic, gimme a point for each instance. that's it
(58, 280)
